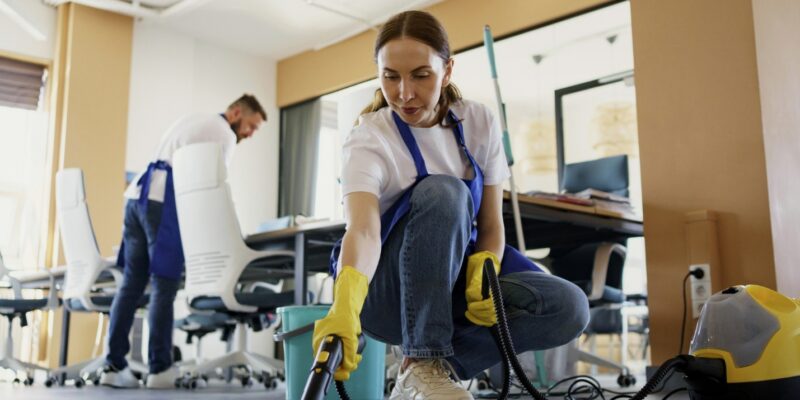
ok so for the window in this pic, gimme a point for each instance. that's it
(23, 160)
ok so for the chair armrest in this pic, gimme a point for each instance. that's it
(16, 286)
(116, 274)
(602, 256)
(637, 298)
(52, 296)
(252, 286)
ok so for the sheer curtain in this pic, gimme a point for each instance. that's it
(300, 128)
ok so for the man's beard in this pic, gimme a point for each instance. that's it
(235, 129)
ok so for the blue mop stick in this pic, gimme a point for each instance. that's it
(488, 42)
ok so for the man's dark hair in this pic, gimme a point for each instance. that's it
(249, 103)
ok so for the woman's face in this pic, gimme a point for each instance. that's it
(412, 76)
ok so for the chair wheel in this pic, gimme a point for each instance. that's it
(49, 382)
(246, 381)
(79, 382)
(625, 380)
(28, 381)
(15, 381)
(389, 386)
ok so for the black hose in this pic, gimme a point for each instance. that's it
(505, 344)
(498, 340)
(340, 389)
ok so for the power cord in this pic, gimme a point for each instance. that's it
(697, 273)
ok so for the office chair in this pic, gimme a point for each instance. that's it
(597, 267)
(18, 307)
(86, 269)
(216, 255)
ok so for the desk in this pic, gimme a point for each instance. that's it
(549, 223)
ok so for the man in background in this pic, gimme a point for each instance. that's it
(151, 244)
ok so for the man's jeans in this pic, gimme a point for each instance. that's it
(140, 237)
(417, 296)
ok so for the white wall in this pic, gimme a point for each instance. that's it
(15, 40)
(173, 74)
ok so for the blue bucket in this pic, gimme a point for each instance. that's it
(366, 383)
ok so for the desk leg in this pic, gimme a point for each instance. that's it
(62, 352)
(300, 285)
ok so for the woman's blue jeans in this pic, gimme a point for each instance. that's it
(140, 236)
(417, 296)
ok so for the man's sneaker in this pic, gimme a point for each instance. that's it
(116, 378)
(428, 379)
(162, 380)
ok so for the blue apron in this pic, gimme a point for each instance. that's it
(513, 260)
(167, 258)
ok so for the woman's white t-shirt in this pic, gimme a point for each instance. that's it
(377, 161)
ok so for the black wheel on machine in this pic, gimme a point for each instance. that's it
(482, 384)
(49, 382)
(79, 382)
(96, 381)
(625, 380)
(389, 386)
(28, 381)
(15, 381)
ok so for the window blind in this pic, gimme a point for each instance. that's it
(21, 83)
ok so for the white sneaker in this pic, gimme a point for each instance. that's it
(121, 379)
(428, 379)
(162, 380)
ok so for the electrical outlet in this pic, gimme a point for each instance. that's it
(700, 288)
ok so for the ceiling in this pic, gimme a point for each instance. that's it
(272, 28)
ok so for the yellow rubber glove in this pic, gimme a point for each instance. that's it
(342, 320)
(479, 310)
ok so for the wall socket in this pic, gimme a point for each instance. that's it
(700, 288)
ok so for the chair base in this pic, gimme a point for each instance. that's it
(585, 356)
(258, 363)
(18, 366)
(262, 368)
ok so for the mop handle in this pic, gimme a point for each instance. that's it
(488, 42)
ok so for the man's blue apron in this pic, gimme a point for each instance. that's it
(513, 260)
(167, 258)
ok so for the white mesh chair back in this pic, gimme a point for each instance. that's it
(212, 241)
(84, 263)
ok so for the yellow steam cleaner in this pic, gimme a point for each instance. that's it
(749, 337)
